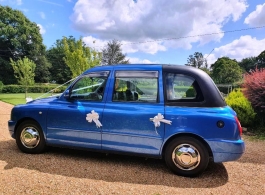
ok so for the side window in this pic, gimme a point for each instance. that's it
(182, 88)
(135, 88)
(89, 88)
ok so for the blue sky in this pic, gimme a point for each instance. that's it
(143, 26)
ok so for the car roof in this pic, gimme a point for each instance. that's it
(138, 66)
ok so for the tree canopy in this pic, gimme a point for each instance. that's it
(112, 54)
(197, 60)
(59, 70)
(79, 57)
(19, 37)
(24, 72)
(248, 64)
(261, 60)
(226, 71)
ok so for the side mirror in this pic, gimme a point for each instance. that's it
(66, 94)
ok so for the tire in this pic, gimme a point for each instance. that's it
(186, 156)
(29, 138)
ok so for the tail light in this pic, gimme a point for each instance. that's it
(238, 126)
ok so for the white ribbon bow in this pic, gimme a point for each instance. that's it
(93, 116)
(160, 118)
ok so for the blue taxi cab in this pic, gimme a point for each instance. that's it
(163, 111)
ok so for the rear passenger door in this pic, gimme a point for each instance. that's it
(183, 105)
(133, 100)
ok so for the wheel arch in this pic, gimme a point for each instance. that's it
(186, 135)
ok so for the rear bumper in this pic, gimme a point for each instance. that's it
(11, 128)
(226, 150)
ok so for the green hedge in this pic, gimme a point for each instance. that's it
(242, 107)
(182, 88)
(1, 86)
(31, 89)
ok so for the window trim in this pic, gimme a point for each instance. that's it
(136, 75)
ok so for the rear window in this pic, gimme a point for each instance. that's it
(182, 88)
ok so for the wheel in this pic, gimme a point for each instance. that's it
(29, 138)
(186, 156)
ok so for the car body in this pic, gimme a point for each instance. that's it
(162, 111)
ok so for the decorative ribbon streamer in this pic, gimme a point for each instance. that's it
(93, 116)
(160, 118)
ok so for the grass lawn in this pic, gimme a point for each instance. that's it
(17, 98)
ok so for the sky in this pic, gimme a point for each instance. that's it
(151, 31)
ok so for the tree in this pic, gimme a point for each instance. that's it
(112, 54)
(261, 60)
(79, 58)
(226, 71)
(254, 90)
(197, 60)
(248, 64)
(20, 37)
(59, 70)
(24, 72)
(207, 71)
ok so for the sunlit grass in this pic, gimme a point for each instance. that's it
(19, 98)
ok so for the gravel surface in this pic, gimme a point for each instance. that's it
(65, 171)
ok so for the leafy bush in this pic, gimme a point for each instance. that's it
(191, 92)
(1, 86)
(32, 89)
(254, 90)
(242, 107)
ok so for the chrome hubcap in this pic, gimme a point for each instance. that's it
(30, 137)
(186, 157)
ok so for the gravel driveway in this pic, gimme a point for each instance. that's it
(64, 171)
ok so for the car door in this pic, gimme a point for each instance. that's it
(134, 100)
(75, 121)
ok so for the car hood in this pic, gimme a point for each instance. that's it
(43, 100)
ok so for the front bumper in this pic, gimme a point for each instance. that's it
(226, 150)
(11, 128)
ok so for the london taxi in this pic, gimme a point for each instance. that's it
(163, 111)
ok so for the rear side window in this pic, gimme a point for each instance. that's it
(135, 86)
(182, 88)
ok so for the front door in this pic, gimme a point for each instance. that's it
(76, 121)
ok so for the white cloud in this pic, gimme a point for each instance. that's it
(99, 45)
(42, 29)
(140, 61)
(42, 15)
(147, 47)
(94, 42)
(19, 2)
(244, 47)
(126, 47)
(149, 20)
(257, 17)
